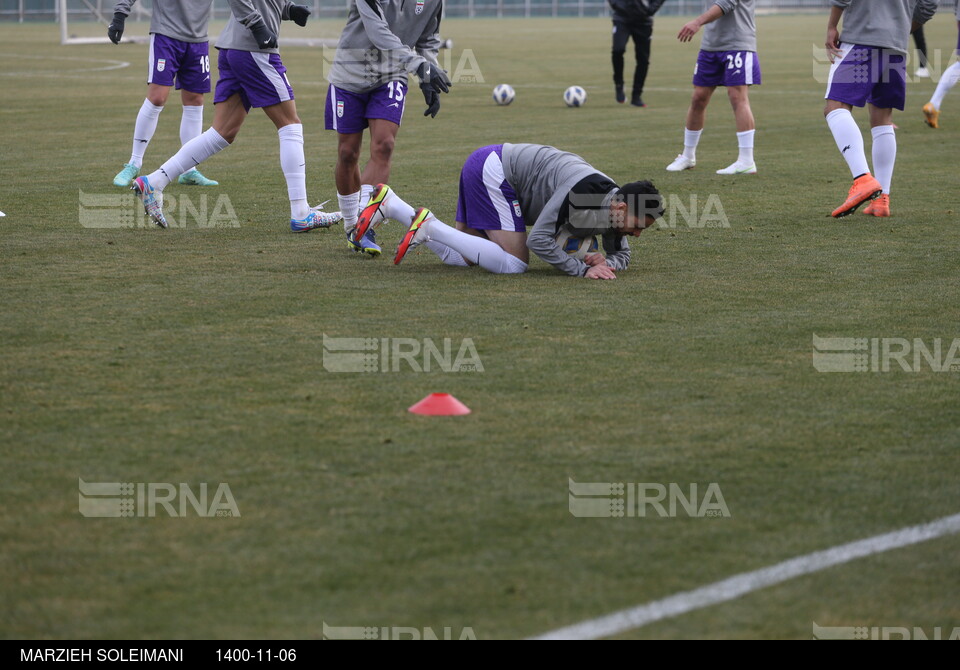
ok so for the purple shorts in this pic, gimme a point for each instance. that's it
(259, 78)
(348, 112)
(726, 68)
(868, 74)
(487, 201)
(186, 63)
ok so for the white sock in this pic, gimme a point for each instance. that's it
(395, 208)
(143, 131)
(191, 154)
(745, 141)
(446, 254)
(294, 167)
(849, 140)
(884, 155)
(191, 123)
(365, 192)
(691, 138)
(349, 209)
(947, 81)
(476, 250)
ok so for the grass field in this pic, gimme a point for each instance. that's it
(195, 355)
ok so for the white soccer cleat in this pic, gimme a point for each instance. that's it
(681, 163)
(922, 73)
(739, 168)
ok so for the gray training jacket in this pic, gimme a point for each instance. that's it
(542, 176)
(244, 13)
(736, 30)
(383, 41)
(882, 23)
(184, 20)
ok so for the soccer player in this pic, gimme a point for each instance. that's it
(931, 110)
(382, 41)
(632, 18)
(179, 53)
(251, 75)
(506, 187)
(728, 57)
(869, 67)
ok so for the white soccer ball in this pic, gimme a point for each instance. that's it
(578, 247)
(575, 96)
(504, 94)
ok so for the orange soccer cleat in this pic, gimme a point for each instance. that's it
(864, 188)
(879, 207)
(931, 115)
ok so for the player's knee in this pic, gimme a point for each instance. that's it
(348, 155)
(382, 148)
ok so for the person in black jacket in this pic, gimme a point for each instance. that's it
(632, 18)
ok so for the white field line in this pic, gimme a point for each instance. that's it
(111, 65)
(747, 582)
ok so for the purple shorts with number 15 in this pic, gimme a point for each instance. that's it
(348, 112)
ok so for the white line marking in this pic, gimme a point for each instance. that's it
(738, 585)
(111, 65)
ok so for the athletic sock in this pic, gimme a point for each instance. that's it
(884, 155)
(745, 142)
(294, 167)
(191, 154)
(446, 254)
(948, 80)
(143, 131)
(691, 138)
(365, 191)
(349, 206)
(849, 140)
(477, 250)
(397, 209)
(191, 123)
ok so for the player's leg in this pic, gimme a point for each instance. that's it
(921, 41)
(746, 127)
(949, 79)
(228, 116)
(159, 82)
(384, 203)
(884, 157)
(488, 205)
(693, 127)
(345, 112)
(846, 89)
(641, 33)
(193, 80)
(383, 137)
(292, 160)
(621, 34)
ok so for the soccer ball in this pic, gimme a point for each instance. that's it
(575, 96)
(503, 94)
(578, 247)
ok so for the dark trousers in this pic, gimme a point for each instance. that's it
(641, 33)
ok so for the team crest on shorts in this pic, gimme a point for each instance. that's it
(161, 64)
(516, 209)
(339, 109)
(419, 8)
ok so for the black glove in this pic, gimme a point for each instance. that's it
(435, 76)
(265, 39)
(299, 14)
(115, 29)
(433, 80)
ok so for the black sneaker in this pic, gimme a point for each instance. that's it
(637, 101)
(621, 96)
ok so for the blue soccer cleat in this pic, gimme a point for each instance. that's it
(194, 178)
(367, 244)
(152, 205)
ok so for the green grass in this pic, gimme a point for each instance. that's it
(193, 355)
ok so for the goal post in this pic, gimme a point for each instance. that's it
(86, 21)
